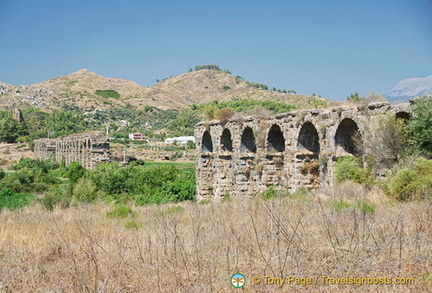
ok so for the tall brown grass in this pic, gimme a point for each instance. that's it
(194, 247)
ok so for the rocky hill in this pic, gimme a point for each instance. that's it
(89, 90)
(410, 88)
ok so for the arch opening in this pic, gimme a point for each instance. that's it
(308, 138)
(226, 141)
(207, 144)
(348, 136)
(403, 115)
(275, 139)
(248, 143)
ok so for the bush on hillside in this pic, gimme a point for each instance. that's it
(350, 168)
(411, 183)
(180, 189)
(36, 164)
(111, 178)
(74, 172)
(57, 197)
(386, 140)
(420, 125)
(85, 191)
(224, 115)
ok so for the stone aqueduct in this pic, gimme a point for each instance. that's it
(88, 149)
(245, 156)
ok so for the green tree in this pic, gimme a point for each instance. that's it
(74, 172)
(355, 98)
(36, 122)
(10, 129)
(61, 122)
(420, 125)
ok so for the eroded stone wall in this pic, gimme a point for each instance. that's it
(88, 149)
(297, 149)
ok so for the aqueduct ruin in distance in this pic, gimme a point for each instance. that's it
(245, 156)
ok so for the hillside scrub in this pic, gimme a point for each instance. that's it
(241, 105)
(250, 84)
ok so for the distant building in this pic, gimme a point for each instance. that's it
(137, 136)
(180, 139)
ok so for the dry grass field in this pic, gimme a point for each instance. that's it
(193, 247)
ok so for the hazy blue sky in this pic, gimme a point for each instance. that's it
(330, 47)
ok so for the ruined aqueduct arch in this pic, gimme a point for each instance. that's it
(296, 149)
(88, 149)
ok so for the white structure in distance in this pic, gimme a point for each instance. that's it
(180, 139)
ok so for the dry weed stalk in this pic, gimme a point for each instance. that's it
(197, 247)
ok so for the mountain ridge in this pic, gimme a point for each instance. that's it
(82, 88)
(410, 88)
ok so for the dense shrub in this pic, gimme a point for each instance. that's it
(413, 182)
(85, 190)
(181, 189)
(110, 178)
(42, 165)
(121, 211)
(144, 185)
(224, 115)
(420, 125)
(27, 180)
(31, 176)
(74, 172)
(164, 184)
(350, 168)
(13, 201)
(59, 196)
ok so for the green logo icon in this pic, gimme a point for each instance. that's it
(238, 280)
